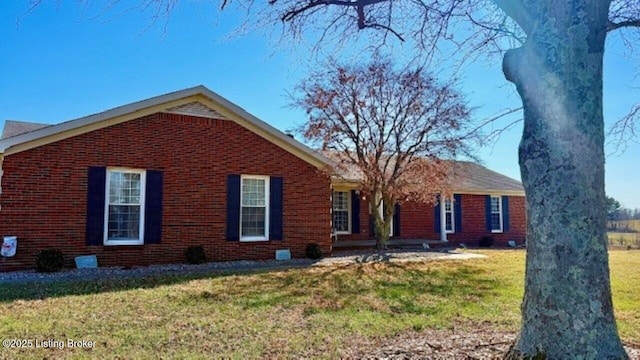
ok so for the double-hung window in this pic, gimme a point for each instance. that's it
(342, 212)
(496, 214)
(254, 210)
(449, 217)
(124, 207)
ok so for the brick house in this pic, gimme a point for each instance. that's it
(138, 184)
(484, 203)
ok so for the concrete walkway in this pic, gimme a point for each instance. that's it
(341, 258)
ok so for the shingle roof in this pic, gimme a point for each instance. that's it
(466, 177)
(472, 177)
(14, 128)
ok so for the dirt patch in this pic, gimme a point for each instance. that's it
(481, 342)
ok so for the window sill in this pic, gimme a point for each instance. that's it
(496, 231)
(342, 233)
(123, 243)
(117, 248)
(253, 239)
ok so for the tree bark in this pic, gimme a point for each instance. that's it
(381, 223)
(567, 311)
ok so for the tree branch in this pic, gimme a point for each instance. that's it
(383, 27)
(291, 14)
(622, 24)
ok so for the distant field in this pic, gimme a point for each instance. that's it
(625, 225)
(633, 224)
(624, 233)
(624, 239)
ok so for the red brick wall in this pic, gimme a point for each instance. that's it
(417, 222)
(474, 224)
(44, 191)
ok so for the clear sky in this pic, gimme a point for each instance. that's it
(62, 62)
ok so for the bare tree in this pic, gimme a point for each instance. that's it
(555, 60)
(389, 128)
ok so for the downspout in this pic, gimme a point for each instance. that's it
(443, 221)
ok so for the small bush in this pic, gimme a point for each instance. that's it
(313, 251)
(486, 241)
(49, 260)
(195, 255)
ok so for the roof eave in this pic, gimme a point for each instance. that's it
(95, 118)
(490, 192)
(337, 181)
(145, 107)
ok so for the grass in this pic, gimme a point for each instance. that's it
(284, 313)
(624, 233)
(624, 239)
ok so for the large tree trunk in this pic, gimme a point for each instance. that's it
(567, 311)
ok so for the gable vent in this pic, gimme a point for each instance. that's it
(196, 109)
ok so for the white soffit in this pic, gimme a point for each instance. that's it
(196, 108)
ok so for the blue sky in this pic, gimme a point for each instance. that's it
(61, 62)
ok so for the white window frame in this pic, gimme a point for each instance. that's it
(349, 216)
(499, 214)
(451, 213)
(267, 187)
(143, 182)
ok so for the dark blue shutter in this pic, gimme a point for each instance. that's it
(487, 207)
(233, 207)
(505, 213)
(457, 212)
(96, 182)
(153, 207)
(275, 208)
(436, 216)
(355, 212)
(396, 220)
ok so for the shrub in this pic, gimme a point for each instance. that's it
(195, 255)
(486, 241)
(313, 251)
(49, 260)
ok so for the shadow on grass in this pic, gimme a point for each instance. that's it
(388, 287)
(66, 287)
(384, 288)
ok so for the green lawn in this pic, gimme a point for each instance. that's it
(284, 313)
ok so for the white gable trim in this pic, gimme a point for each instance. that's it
(161, 104)
(196, 108)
